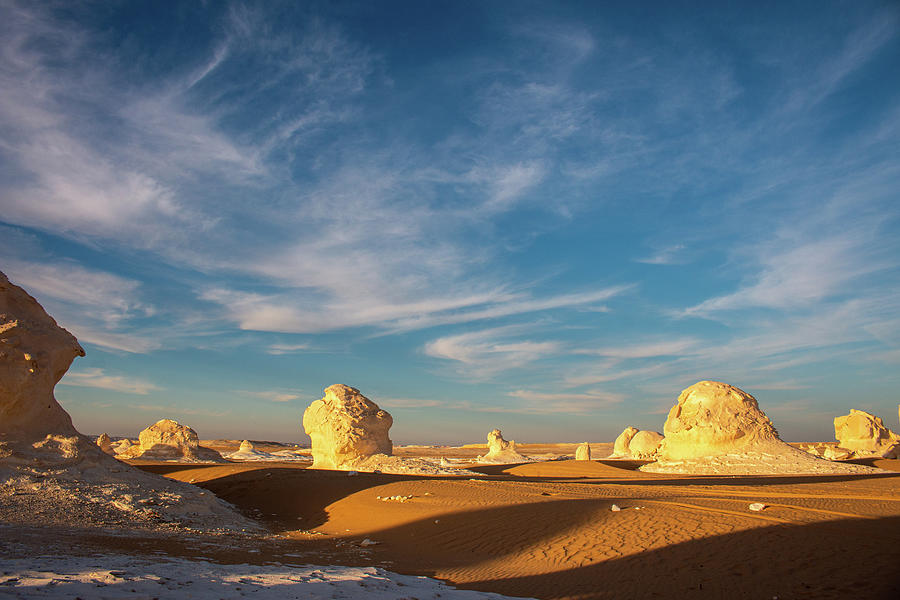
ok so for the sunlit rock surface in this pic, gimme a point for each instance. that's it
(345, 426)
(40, 450)
(620, 448)
(864, 434)
(583, 452)
(35, 353)
(170, 440)
(105, 444)
(716, 428)
(501, 450)
(712, 418)
(645, 444)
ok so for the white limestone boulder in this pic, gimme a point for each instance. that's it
(718, 429)
(583, 452)
(501, 451)
(35, 353)
(620, 447)
(344, 427)
(645, 444)
(105, 444)
(170, 440)
(864, 434)
(713, 418)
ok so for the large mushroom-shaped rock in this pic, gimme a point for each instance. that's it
(718, 429)
(583, 452)
(713, 418)
(645, 444)
(35, 353)
(170, 440)
(345, 427)
(620, 448)
(500, 450)
(866, 435)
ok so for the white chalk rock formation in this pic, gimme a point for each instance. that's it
(501, 451)
(620, 448)
(645, 444)
(41, 450)
(716, 428)
(583, 452)
(345, 427)
(713, 418)
(864, 434)
(836, 453)
(105, 444)
(170, 440)
(35, 353)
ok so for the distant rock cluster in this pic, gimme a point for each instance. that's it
(637, 444)
(170, 440)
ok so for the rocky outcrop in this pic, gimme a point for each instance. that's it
(836, 453)
(35, 353)
(620, 448)
(41, 450)
(718, 429)
(713, 418)
(583, 452)
(345, 426)
(170, 440)
(501, 451)
(864, 434)
(645, 444)
(105, 444)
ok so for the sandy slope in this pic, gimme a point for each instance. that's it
(546, 529)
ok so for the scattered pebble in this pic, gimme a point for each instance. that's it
(615, 508)
(757, 506)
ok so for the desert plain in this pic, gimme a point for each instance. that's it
(542, 529)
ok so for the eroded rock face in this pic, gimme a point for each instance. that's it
(500, 450)
(713, 418)
(105, 444)
(345, 426)
(645, 444)
(620, 448)
(865, 435)
(246, 446)
(583, 452)
(170, 440)
(35, 353)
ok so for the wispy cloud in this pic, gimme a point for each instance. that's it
(272, 395)
(98, 378)
(489, 351)
(277, 349)
(534, 402)
(666, 256)
(97, 307)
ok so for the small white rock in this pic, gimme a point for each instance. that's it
(757, 506)
(615, 508)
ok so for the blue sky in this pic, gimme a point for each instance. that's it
(544, 217)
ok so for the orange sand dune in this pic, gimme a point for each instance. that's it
(546, 529)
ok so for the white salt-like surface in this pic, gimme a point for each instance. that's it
(122, 576)
(260, 456)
